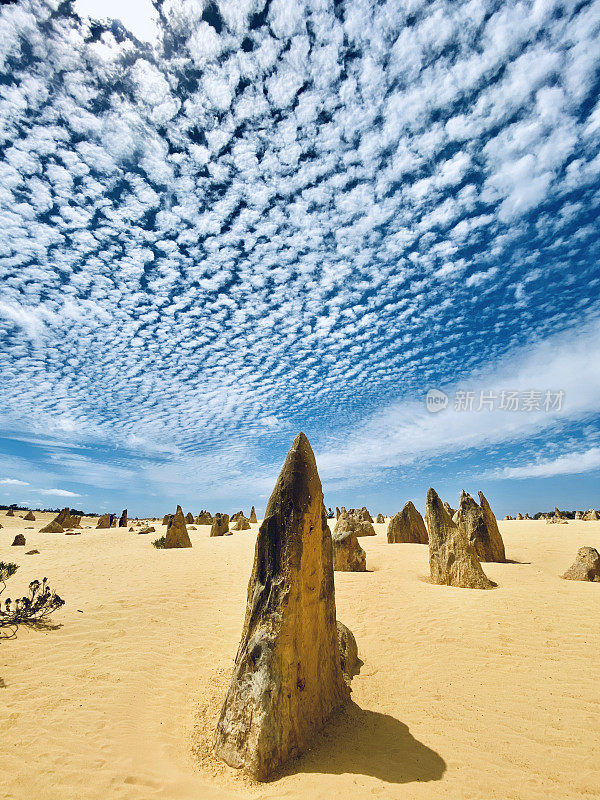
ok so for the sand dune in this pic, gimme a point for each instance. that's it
(462, 694)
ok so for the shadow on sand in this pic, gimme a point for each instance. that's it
(361, 742)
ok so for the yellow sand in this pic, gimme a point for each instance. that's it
(463, 694)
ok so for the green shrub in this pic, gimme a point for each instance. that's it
(159, 543)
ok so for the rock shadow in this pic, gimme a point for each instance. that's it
(362, 742)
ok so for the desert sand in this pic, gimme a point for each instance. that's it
(462, 693)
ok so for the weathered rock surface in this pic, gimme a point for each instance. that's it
(220, 525)
(519, 515)
(167, 519)
(348, 652)
(19, 540)
(479, 523)
(407, 526)
(241, 524)
(337, 513)
(586, 566)
(29, 516)
(32, 553)
(380, 519)
(189, 518)
(252, 517)
(52, 527)
(204, 518)
(123, 519)
(149, 529)
(10, 513)
(177, 535)
(348, 555)
(496, 542)
(287, 678)
(452, 558)
(591, 516)
(361, 513)
(348, 522)
(449, 510)
(237, 515)
(103, 521)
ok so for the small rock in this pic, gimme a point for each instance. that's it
(586, 566)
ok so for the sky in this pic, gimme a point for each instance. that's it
(225, 222)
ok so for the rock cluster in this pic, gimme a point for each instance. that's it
(204, 518)
(407, 526)
(586, 566)
(241, 524)
(380, 519)
(220, 525)
(177, 535)
(452, 558)
(62, 522)
(591, 516)
(29, 516)
(287, 678)
(67, 520)
(103, 521)
(349, 522)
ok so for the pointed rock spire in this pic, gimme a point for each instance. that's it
(177, 535)
(287, 678)
(407, 526)
(253, 515)
(452, 558)
(496, 543)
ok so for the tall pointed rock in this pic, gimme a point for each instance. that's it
(452, 558)
(287, 678)
(496, 542)
(407, 526)
(177, 535)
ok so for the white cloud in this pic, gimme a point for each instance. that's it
(58, 492)
(13, 482)
(405, 432)
(139, 16)
(569, 464)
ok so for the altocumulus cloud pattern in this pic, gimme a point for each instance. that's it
(281, 215)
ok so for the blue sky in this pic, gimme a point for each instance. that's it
(230, 221)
